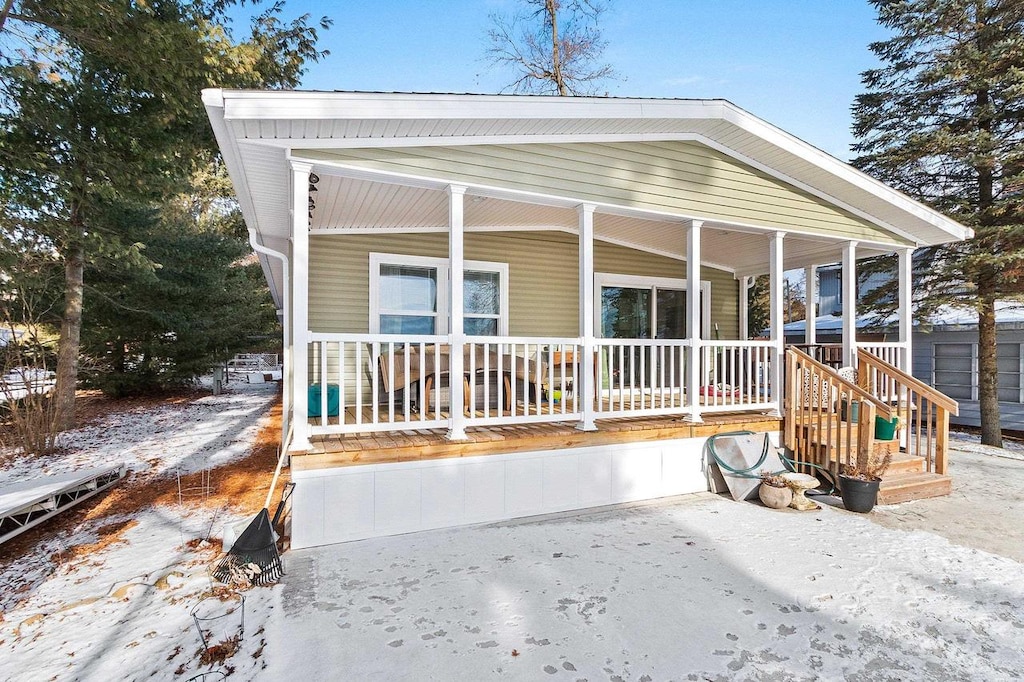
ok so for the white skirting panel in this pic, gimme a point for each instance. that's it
(351, 503)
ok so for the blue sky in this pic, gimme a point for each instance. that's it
(795, 63)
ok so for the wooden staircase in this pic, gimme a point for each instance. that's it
(907, 477)
(815, 430)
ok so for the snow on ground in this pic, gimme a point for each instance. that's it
(695, 587)
(122, 609)
(187, 437)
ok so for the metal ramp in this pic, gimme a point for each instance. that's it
(29, 503)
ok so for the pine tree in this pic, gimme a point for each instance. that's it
(101, 115)
(943, 119)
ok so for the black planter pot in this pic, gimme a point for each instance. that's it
(858, 495)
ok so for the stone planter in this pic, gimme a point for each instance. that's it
(776, 498)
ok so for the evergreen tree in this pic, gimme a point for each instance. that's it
(943, 119)
(199, 298)
(100, 115)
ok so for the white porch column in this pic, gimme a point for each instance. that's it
(778, 335)
(811, 305)
(906, 307)
(745, 284)
(300, 304)
(693, 318)
(456, 268)
(850, 304)
(586, 386)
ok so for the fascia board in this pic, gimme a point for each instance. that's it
(778, 137)
(213, 100)
(294, 105)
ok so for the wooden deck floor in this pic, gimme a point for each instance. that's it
(425, 444)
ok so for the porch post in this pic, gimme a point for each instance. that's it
(693, 318)
(811, 305)
(906, 308)
(456, 267)
(586, 384)
(850, 304)
(300, 305)
(777, 269)
(745, 284)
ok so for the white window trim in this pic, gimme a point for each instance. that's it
(443, 278)
(608, 279)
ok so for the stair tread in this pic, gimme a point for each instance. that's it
(914, 486)
(913, 478)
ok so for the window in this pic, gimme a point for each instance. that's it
(409, 295)
(631, 307)
(408, 299)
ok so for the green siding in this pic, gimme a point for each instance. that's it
(679, 177)
(543, 279)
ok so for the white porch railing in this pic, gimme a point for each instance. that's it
(737, 375)
(637, 377)
(891, 351)
(381, 382)
(512, 380)
(375, 382)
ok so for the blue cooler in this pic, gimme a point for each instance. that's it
(313, 403)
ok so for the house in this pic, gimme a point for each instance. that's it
(488, 301)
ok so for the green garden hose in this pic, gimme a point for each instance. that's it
(746, 473)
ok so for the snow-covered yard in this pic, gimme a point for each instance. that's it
(696, 587)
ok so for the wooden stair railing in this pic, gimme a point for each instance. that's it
(829, 421)
(924, 412)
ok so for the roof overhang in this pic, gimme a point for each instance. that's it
(259, 131)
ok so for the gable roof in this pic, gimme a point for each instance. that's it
(258, 131)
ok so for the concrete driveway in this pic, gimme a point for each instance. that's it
(690, 588)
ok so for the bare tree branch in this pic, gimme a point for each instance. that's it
(552, 47)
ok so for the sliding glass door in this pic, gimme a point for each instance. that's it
(641, 308)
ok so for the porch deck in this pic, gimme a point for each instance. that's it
(378, 447)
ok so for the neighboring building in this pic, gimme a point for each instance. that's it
(946, 356)
(498, 306)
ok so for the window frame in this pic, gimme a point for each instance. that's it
(443, 282)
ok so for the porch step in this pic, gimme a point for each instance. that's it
(904, 487)
(902, 463)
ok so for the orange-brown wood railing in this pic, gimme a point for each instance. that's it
(829, 420)
(924, 412)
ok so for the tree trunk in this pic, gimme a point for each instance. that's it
(988, 373)
(70, 337)
(556, 54)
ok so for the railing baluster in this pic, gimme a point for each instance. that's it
(406, 398)
(342, 369)
(391, 395)
(359, 382)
